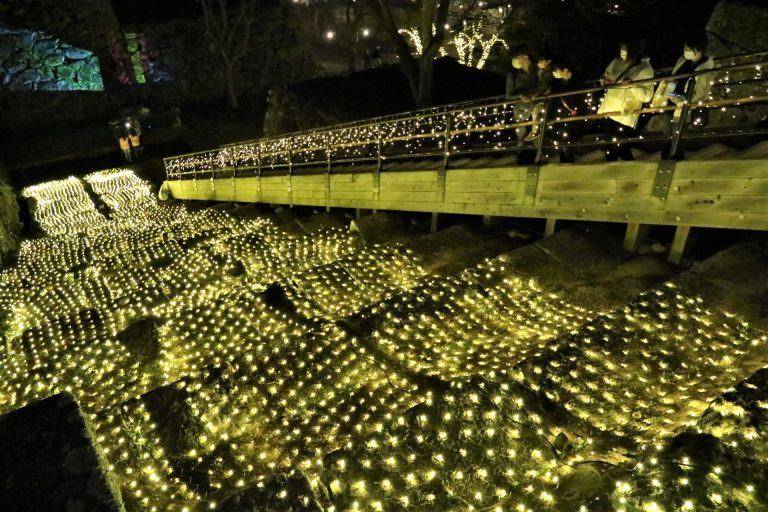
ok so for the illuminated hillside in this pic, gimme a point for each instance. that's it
(223, 363)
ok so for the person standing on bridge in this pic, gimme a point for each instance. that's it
(522, 82)
(693, 60)
(622, 102)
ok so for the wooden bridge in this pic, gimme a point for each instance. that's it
(465, 159)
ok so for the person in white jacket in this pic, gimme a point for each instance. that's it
(622, 102)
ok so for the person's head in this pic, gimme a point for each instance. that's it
(623, 50)
(694, 48)
(635, 51)
(132, 132)
(562, 72)
(545, 60)
(521, 59)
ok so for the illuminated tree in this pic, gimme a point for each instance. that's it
(470, 37)
(418, 69)
(228, 31)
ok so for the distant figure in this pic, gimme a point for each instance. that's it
(622, 100)
(135, 140)
(376, 57)
(125, 145)
(522, 82)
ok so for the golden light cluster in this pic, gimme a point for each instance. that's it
(217, 356)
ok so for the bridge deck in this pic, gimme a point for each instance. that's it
(706, 193)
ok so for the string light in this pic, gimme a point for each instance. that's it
(269, 358)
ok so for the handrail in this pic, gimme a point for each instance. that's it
(460, 105)
(430, 130)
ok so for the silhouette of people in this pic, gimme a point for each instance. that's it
(135, 140)
(125, 146)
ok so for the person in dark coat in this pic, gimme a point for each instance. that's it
(522, 83)
(563, 107)
(543, 88)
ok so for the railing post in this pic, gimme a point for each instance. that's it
(258, 169)
(682, 123)
(447, 141)
(290, 172)
(234, 174)
(379, 167)
(542, 130)
(328, 172)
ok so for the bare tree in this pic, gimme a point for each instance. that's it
(418, 69)
(228, 30)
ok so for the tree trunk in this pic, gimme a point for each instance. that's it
(229, 78)
(426, 82)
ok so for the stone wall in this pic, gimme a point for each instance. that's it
(739, 27)
(178, 65)
(36, 61)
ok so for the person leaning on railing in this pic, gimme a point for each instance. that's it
(564, 134)
(693, 60)
(622, 101)
(522, 81)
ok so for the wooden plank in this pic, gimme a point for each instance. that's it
(577, 185)
(494, 174)
(599, 171)
(318, 195)
(587, 200)
(482, 185)
(634, 187)
(729, 169)
(413, 186)
(400, 177)
(432, 196)
(722, 186)
(350, 194)
(275, 197)
(713, 202)
(484, 197)
(309, 181)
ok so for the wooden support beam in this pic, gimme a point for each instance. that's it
(357, 213)
(635, 234)
(679, 244)
(487, 220)
(433, 223)
(550, 229)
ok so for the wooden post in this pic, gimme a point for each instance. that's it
(677, 250)
(550, 229)
(636, 232)
(487, 221)
(433, 224)
(357, 213)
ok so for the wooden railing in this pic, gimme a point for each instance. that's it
(484, 126)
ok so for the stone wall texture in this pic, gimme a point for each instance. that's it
(179, 67)
(739, 27)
